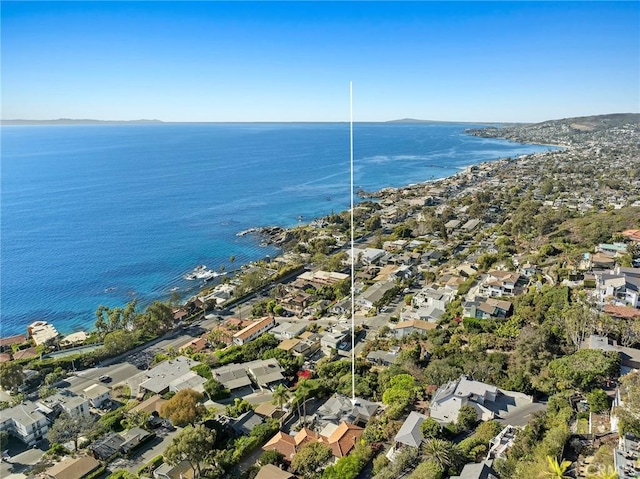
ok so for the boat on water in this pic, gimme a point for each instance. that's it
(201, 272)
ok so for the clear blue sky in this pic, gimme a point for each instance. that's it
(292, 61)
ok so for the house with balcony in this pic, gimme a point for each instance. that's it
(97, 395)
(254, 330)
(26, 422)
(499, 283)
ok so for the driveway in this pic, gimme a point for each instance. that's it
(521, 414)
(154, 448)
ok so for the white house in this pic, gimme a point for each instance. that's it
(25, 421)
(97, 395)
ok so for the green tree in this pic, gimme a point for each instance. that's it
(467, 418)
(157, 318)
(192, 444)
(427, 470)
(310, 458)
(66, 428)
(280, 397)
(556, 470)
(119, 341)
(136, 419)
(430, 428)
(215, 390)
(239, 407)
(112, 319)
(184, 407)
(598, 401)
(441, 452)
(11, 375)
(584, 369)
(271, 457)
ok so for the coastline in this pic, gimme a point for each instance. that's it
(163, 292)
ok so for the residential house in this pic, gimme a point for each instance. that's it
(499, 445)
(159, 378)
(107, 446)
(254, 330)
(486, 399)
(332, 339)
(25, 421)
(470, 225)
(288, 344)
(97, 395)
(502, 283)
(622, 312)
(269, 471)
(405, 328)
(181, 471)
(372, 295)
(308, 345)
(266, 373)
(341, 438)
(410, 433)
(288, 330)
(42, 332)
(619, 286)
(626, 457)
(323, 278)
(195, 345)
(237, 378)
(288, 445)
(113, 443)
(615, 249)
(133, 437)
(632, 235)
(72, 468)
(244, 424)
(150, 405)
(382, 358)
(338, 409)
(6, 343)
(64, 401)
(234, 378)
(487, 308)
(368, 256)
(189, 380)
(482, 470)
(529, 270)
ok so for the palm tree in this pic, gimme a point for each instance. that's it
(607, 473)
(280, 397)
(556, 470)
(442, 452)
(302, 392)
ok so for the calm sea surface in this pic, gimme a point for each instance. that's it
(103, 214)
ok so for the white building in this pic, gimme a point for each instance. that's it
(26, 422)
(97, 395)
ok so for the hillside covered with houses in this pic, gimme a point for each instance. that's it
(497, 335)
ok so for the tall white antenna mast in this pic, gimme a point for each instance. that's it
(353, 262)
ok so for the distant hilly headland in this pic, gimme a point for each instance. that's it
(566, 131)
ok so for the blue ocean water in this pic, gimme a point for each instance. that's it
(102, 214)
